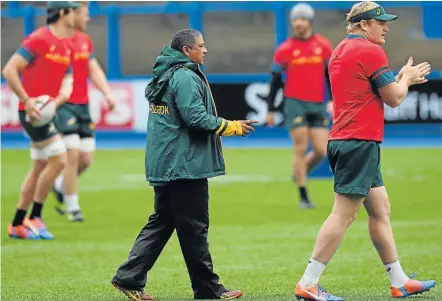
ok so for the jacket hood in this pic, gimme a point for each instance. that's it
(168, 61)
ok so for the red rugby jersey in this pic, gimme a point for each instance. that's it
(49, 60)
(357, 69)
(304, 62)
(82, 49)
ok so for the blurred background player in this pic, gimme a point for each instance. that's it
(362, 82)
(74, 120)
(304, 58)
(43, 60)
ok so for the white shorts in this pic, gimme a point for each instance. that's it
(87, 145)
(54, 149)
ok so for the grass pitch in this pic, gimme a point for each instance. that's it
(259, 239)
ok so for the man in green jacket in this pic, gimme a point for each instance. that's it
(183, 150)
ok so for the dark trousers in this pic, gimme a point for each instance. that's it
(181, 205)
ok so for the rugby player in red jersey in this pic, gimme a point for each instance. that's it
(362, 83)
(43, 60)
(304, 58)
(74, 120)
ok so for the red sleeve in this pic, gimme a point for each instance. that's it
(282, 55)
(373, 60)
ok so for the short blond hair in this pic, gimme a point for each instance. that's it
(356, 10)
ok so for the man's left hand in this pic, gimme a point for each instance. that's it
(247, 126)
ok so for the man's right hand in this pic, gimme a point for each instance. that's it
(416, 74)
(31, 110)
(247, 127)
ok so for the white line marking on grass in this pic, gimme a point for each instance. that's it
(226, 179)
(133, 177)
(137, 181)
(244, 179)
(390, 172)
(418, 178)
(112, 187)
(96, 188)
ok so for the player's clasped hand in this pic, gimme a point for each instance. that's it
(329, 107)
(247, 127)
(417, 73)
(31, 110)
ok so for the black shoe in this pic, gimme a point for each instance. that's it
(306, 204)
(60, 201)
(75, 216)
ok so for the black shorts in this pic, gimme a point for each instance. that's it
(37, 134)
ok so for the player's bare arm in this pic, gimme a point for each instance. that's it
(394, 93)
(65, 90)
(11, 72)
(99, 80)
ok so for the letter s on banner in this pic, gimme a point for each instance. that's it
(253, 96)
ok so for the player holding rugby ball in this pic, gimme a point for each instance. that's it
(43, 60)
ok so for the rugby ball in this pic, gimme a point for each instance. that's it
(46, 106)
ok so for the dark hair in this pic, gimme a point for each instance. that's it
(184, 37)
(53, 14)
